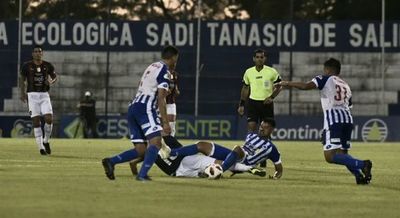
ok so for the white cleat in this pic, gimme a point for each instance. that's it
(164, 152)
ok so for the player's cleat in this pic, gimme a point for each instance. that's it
(108, 168)
(360, 180)
(143, 179)
(47, 147)
(164, 151)
(257, 172)
(42, 152)
(367, 170)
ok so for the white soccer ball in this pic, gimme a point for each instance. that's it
(213, 171)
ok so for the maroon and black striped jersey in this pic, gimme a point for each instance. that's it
(37, 75)
(171, 98)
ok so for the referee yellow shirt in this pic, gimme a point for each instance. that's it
(261, 82)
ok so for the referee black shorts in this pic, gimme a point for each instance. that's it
(257, 111)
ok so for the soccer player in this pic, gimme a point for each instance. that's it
(171, 101)
(35, 79)
(257, 148)
(194, 165)
(144, 123)
(258, 91)
(338, 121)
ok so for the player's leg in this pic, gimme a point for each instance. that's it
(47, 110)
(207, 148)
(336, 153)
(233, 157)
(137, 138)
(34, 111)
(151, 127)
(171, 116)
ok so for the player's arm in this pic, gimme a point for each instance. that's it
(299, 85)
(53, 76)
(278, 171)
(22, 87)
(162, 107)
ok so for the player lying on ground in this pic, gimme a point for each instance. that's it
(338, 121)
(194, 165)
(257, 148)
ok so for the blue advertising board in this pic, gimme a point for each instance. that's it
(307, 128)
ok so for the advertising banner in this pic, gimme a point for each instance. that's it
(91, 35)
(303, 128)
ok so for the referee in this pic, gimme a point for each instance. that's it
(258, 89)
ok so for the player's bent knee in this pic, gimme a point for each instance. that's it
(204, 147)
(239, 151)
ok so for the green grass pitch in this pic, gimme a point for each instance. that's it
(71, 183)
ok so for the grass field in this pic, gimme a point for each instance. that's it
(71, 183)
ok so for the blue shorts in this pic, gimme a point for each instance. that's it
(337, 136)
(143, 122)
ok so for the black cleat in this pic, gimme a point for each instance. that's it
(257, 172)
(143, 179)
(108, 168)
(367, 170)
(42, 152)
(47, 147)
(360, 180)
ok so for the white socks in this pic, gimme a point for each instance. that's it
(47, 132)
(172, 125)
(39, 137)
(240, 167)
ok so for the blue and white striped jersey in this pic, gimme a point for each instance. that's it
(335, 99)
(258, 149)
(154, 77)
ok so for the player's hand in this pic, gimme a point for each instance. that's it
(24, 97)
(166, 129)
(51, 81)
(276, 175)
(241, 110)
(268, 100)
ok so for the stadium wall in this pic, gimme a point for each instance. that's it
(78, 51)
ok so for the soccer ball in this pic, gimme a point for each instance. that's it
(213, 171)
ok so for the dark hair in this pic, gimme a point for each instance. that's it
(259, 51)
(333, 64)
(270, 121)
(168, 52)
(37, 46)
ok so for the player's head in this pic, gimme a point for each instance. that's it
(170, 55)
(259, 57)
(266, 127)
(37, 52)
(332, 66)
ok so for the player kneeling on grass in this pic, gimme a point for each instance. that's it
(257, 148)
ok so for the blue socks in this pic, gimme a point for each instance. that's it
(149, 159)
(124, 157)
(353, 165)
(220, 152)
(230, 160)
(185, 150)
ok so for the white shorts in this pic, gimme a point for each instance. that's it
(171, 109)
(192, 165)
(39, 103)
